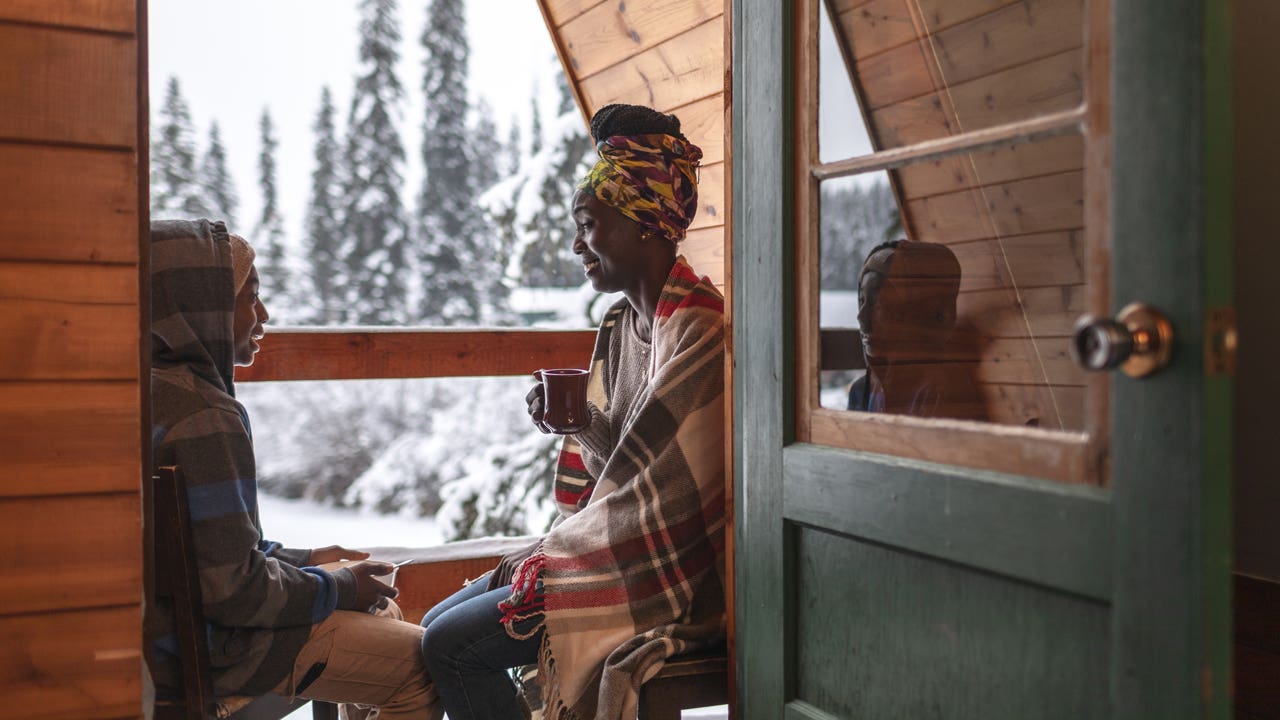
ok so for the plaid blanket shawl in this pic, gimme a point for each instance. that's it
(633, 572)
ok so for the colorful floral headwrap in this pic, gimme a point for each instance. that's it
(652, 179)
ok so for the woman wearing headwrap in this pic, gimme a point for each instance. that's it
(632, 571)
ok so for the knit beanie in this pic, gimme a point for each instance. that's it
(241, 260)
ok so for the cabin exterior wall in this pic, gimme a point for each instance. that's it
(72, 164)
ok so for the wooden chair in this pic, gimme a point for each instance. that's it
(694, 680)
(176, 577)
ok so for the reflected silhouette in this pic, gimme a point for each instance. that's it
(918, 361)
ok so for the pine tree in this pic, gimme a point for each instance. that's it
(268, 237)
(375, 239)
(512, 153)
(324, 228)
(175, 188)
(219, 188)
(547, 258)
(453, 278)
(535, 124)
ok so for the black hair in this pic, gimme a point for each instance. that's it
(619, 119)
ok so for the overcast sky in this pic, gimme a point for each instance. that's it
(234, 57)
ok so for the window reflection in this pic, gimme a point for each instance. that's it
(962, 276)
(918, 361)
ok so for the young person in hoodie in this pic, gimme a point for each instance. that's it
(277, 623)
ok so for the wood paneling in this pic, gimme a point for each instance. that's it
(562, 11)
(611, 33)
(71, 410)
(68, 321)
(1027, 261)
(877, 25)
(367, 354)
(1050, 407)
(1045, 157)
(1020, 93)
(66, 86)
(711, 189)
(81, 564)
(67, 438)
(702, 121)
(108, 15)
(51, 191)
(704, 249)
(683, 69)
(1037, 205)
(72, 665)
(1045, 311)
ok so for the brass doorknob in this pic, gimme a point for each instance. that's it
(1139, 341)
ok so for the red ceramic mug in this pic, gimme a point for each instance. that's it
(564, 403)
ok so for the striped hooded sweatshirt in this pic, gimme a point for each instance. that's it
(260, 603)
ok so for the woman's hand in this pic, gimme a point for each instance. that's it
(537, 404)
(506, 570)
(334, 553)
(369, 589)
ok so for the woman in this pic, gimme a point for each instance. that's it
(632, 571)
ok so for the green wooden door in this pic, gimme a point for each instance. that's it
(875, 586)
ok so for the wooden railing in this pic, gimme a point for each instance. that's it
(381, 353)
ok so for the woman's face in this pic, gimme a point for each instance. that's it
(250, 314)
(608, 243)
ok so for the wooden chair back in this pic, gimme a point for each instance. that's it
(177, 578)
(693, 680)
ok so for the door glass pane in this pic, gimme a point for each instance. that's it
(967, 313)
(928, 69)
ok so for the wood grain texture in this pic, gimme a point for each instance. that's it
(705, 251)
(702, 121)
(1005, 164)
(94, 561)
(562, 11)
(1014, 450)
(109, 15)
(73, 665)
(392, 353)
(710, 197)
(1041, 87)
(68, 321)
(878, 25)
(67, 438)
(688, 67)
(1051, 203)
(423, 586)
(763, 329)
(68, 86)
(1000, 40)
(1047, 311)
(610, 33)
(51, 191)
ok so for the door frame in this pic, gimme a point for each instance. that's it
(1157, 547)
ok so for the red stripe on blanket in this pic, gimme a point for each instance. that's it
(571, 460)
(679, 534)
(692, 557)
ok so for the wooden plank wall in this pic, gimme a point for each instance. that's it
(70, 319)
(928, 69)
(669, 55)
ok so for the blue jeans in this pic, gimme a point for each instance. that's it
(468, 652)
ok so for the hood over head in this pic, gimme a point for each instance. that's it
(193, 299)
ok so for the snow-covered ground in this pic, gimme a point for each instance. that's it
(306, 524)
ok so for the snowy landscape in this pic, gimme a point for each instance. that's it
(428, 185)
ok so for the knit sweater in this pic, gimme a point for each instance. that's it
(259, 603)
